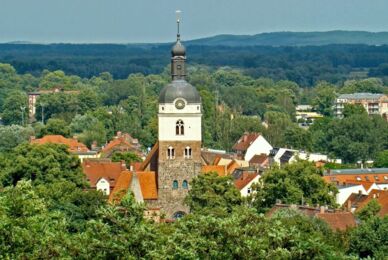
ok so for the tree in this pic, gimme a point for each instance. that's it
(128, 157)
(277, 123)
(56, 127)
(324, 100)
(43, 164)
(15, 108)
(12, 136)
(370, 210)
(296, 183)
(354, 109)
(297, 138)
(381, 159)
(370, 239)
(211, 194)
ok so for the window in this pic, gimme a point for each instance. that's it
(170, 153)
(188, 152)
(179, 127)
(376, 178)
(358, 178)
(175, 184)
(185, 184)
(249, 190)
(367, 178)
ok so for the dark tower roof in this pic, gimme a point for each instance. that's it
(179, 87)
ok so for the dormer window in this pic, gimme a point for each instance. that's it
(188, 152)
(170, 153)
(179, 127)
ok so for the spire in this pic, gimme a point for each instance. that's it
(178, 54)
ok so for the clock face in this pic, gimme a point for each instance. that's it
(180, 104)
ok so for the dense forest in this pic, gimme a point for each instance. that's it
(305, 65)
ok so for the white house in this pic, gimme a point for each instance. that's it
(104, 186)
(251, 144)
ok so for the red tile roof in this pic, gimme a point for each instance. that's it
(147, 181)
(122, 186)
(244, 180)
(72, 143)
(122, 142)
(338, 220)
(148, 185)
(259, 159)
(95, 170)
(219, 169)
(382, 198)
(245, 141)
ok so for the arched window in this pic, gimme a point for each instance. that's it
(170, 152)
(185, 184)
(175, 184)
(179, 127)
(188, 152)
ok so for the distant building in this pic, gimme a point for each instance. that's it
(374, 104)
(284, 155)
(33, 97)
(337, 220)
(75, 147)
(251, 144)
(121, 143)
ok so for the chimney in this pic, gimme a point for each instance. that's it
(322, 209)
(32, 138)
(119, 134)
(94, 145)
(123, 165)
(75, 137)
(349, 206)
(245, 138)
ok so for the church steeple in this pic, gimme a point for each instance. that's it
(178, 55)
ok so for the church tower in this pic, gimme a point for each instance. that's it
(179, 120)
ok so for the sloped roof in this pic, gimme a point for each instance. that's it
(119, 142)
(219, 169)
(355, 199)
(338, 220)
(245, 141)
(150, 155)
(148, 185)
(360, 96)
(95, 170)
(376, 175)
(147, 182)
(122, 186)
(382, 198)
(244, 180)
(72, 143)
(259, 158)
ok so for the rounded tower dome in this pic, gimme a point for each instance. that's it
(178, 49)
(179, 89)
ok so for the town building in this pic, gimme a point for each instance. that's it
(251, 144)
(374, 104)
(75, 147)
(33, 97)
(122, 142)
(176, 157)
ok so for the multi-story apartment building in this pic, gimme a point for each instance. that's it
(373, 103)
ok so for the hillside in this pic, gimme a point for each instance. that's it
(296, 39)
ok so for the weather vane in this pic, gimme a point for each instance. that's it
(178, 20)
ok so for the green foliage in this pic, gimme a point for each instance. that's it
(13, 135)
(15, 109)
(128, 157)
(296, 183)
(214, 195)
(381, 159)
(370, 210)
(55, 127)
(278, 123)
(370, 239)
(42, 164)
(357, 109)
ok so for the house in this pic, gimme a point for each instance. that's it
(251, 144)
(259, 161)
(103, 174)
(244, 179)
(75, 147)
(374, 104)
(381, 196)
(121, 143)
(356, 181)
(336, 220)
(284, 155)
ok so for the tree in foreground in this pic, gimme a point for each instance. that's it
(296, 183)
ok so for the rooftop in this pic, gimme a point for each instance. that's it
(360, 96)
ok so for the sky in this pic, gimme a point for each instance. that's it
(143, 21)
